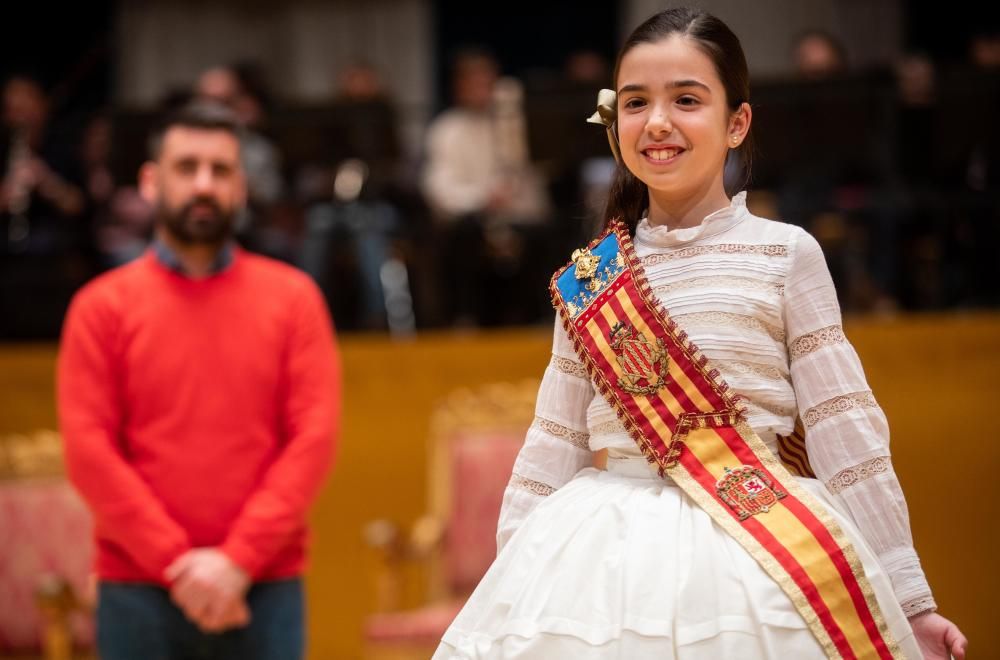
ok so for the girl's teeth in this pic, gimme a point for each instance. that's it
(662, 154)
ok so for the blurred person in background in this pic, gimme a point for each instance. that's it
(818, 55)
(489, 202)
(841, 184)
(44, 240)
(121, 220)
(198, 396)
(975, 107)
(241, 89)
(359, 81)
(41, 175)
(919, 137)
(354, 200)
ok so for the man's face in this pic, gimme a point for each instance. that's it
(196, 185)
(474, 83)
(24, 103)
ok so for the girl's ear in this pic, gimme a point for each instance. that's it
(739, 124)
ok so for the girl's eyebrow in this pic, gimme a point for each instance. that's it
(632, 87)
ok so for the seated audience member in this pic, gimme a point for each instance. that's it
(818, 55)
(489, 202)
(44, 240)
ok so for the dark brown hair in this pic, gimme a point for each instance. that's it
(202, 113)
(629, 196)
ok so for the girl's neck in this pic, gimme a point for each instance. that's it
(686, 211)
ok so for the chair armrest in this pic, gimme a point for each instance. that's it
(56, 600)
(394, 551)
(426, 536)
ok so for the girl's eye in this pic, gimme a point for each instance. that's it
(634, 103)
(687, 100)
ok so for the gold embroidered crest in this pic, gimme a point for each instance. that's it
(748, 491)
(586, 263)
(643, 364)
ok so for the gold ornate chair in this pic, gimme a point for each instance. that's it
(45, 530)
(475, 437)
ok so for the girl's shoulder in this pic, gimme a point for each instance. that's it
(781, 239)
(772, 230)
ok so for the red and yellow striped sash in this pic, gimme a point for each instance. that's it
(686, 421)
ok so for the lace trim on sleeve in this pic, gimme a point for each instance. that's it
(530, 485)
(838, 406)
(722, 282)
(918, 605)
(570, 367)
(775, 409)
(610, 427)
(578, 439)
(741, 321)
(857, 473)
(744, 368)
(813, 341)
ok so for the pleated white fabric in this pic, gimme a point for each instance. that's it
(622, 564)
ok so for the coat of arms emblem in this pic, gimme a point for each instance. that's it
(644, 365)
(748, 491)
(586, 263)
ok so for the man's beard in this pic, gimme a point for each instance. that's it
(186, 227)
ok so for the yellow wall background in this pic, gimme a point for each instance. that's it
(937, 377)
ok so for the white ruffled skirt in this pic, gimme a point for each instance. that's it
(622, 564)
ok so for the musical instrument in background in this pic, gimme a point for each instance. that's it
(19, 195)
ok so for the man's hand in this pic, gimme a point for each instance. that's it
(209, 588)
(938, 638)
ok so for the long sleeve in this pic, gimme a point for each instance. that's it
(847, 435)
(276, 511)
(90, 400)
(556, 446)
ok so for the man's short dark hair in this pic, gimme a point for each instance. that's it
(204, 114)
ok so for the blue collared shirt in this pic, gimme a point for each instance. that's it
(169, 258)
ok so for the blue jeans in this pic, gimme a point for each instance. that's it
(139, 622)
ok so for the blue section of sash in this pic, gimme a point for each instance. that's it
(570, 287)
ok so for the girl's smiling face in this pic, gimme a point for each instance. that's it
(675, 126)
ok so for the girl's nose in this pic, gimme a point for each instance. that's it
(659, 122)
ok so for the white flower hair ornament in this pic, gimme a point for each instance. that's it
(607, 115)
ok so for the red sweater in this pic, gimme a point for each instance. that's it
(198, 413)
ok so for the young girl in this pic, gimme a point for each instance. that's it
(695, 542)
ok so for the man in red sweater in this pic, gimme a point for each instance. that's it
(198, 391)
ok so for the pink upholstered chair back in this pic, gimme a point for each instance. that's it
(45, 532)
(481, 466)
(476, 435)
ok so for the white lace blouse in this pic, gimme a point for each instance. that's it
(757, 298)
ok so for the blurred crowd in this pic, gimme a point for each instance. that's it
(896, 172)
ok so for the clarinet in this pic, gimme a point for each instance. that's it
(19, 200)
(530, 202)
(509, 126)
